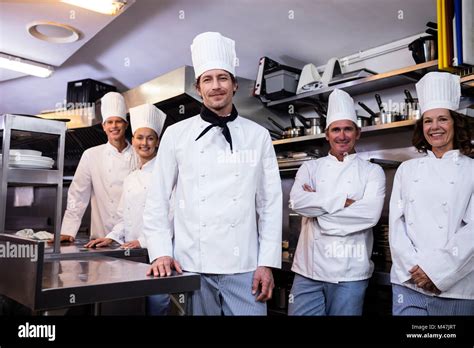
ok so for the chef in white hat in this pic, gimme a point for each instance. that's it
(99, 176)
(228, 211)
(432, 209)
(340, 197)
(147, 123)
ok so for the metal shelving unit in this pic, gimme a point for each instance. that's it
(34, 127)
(364, 85)
(369, 129)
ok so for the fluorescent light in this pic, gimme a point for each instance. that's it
(25, 66)
(109, 7)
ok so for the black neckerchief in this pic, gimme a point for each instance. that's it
(218, 121)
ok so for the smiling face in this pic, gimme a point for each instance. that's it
(342, 136)
(216, 89)
(115, 128)
(438, 130)
(145, 142)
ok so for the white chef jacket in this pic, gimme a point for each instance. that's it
(432, 223)
(227, 206)
(98, 178)
(335, 243)
(129, 224)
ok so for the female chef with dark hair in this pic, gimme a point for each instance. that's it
(147, 122)
(432, 209)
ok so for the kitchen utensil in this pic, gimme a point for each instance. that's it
(375, 117)
(288, 132)
(312, 126)
(412, 111)
(363, 121)
(424, 49)
(387, 116)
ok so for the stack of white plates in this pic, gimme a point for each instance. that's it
(29, 159)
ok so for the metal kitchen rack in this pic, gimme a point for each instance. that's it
(15, 127)
(386, 80)
(369, 129)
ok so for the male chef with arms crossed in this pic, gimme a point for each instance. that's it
(340, 197)
(228, 199)
(100, 174)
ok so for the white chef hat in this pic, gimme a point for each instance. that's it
(211, 50)
(340, 107)
(147, 116)
(113, 105)
(438, 90)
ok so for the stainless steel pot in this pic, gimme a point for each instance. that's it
(312, 126)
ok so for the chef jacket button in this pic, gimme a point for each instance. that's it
(445, 203)
(422, 162)
(232, 225)
(111, 201)
(203, 175)
(236, 174)
(348, 181)
(235, 199)
(411, 200)
(440, 227)
(203, 199)
(410, 223)
(416, 180)
(202, 151)
(451, 182)
(203, 224)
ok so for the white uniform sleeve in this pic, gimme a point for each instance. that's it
(78, 197)
(448, 265)
(360, 215)
(312, 204)
(269, 207)
(157, 227)
(404, 253)
(118, 231)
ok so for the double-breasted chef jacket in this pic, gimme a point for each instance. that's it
(432, 223)
(335, 243)
(129, 224)
(227, 205)
(99, 179)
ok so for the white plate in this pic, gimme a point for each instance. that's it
(20, 158)
(26, 165)
(25, 152)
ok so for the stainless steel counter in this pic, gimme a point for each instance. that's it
(103, 278)
(73, 277)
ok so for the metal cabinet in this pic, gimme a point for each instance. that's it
(15, 129)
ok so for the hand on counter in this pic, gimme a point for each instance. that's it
(99, 243)
(64, 238)
(162, 267)
(263, 283)
(422, 280)
(134, 244)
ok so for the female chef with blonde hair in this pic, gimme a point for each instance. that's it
(432, 209)
(147, 122)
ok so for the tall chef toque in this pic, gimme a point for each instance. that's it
(340, 107)
(439, 90)
(113, 105)
(211, 50)
(147, 116)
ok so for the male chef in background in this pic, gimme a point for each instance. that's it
(340, 197)
(228, 199)
(100, 174)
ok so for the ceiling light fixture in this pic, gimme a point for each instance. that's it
(109, 7)
(25, 66)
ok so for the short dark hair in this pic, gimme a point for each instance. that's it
(462, 134)
(232, 77)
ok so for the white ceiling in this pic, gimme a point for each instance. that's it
(152, 38)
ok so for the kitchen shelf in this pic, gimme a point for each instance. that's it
(365, 85)
(369, 129)
(15, 128)
(467, 81)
